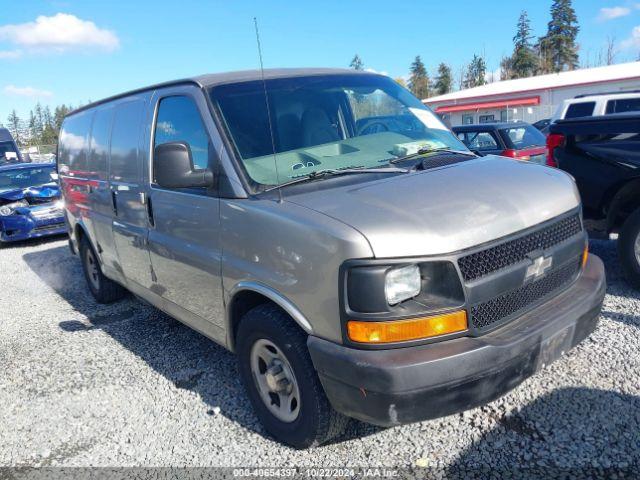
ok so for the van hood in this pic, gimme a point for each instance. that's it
(448, 209)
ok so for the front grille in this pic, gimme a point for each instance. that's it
(46, 213)
(45, 228)
(482, 263)
(507, 305)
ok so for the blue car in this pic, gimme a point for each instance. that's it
(30, 203)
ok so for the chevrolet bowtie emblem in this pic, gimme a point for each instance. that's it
(538, 268)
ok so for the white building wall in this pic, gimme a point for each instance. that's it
(550, 100)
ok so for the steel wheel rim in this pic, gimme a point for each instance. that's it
(636, 248)
(92, 269)
(275, 380)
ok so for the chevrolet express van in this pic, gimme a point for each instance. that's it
(330, 230)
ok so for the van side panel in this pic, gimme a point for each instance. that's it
(101, 208)
(73, 169)
(130, 222)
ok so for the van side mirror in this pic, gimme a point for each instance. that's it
(173, 167)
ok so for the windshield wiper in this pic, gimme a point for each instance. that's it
(331, 172)
(427, 150)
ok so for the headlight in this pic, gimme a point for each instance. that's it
(401, 284)
(401, 290)
(9, 208)
(59, 204)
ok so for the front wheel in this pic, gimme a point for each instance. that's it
(103, 289)
(280, 380)
(629, 249)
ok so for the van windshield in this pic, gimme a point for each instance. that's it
(326, 122)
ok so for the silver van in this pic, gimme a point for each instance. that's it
(330, 230)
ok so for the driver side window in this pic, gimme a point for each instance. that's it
(179, 120)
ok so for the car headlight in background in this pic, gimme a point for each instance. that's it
(10, 208)
(59, 204)
(401, 284)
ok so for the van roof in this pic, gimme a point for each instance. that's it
(213, 79)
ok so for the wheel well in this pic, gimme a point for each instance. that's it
(241, 303)
(623, 204)
(79, 233)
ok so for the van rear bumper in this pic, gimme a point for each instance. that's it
(404, 385)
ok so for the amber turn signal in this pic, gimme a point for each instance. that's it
(404, 330)
(585, 255)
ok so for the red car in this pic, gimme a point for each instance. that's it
(515, 140)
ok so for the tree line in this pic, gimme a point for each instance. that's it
(556, 51)
(40, 128)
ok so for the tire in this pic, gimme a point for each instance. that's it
(629, 260)
(103, 289)
(316, 421)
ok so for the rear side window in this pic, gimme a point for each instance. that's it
(479, 140)
(99, 142)
(582, 109)
(520, 137)
(73, 148)
(623, 105)
(179, 120)
(125, 139)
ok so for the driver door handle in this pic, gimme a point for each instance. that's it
(150, 212)
(114, 202)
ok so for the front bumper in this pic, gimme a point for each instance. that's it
(14, 228)
(404, 385)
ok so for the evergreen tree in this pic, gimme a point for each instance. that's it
(506, 68)
(58, 116)
(524, 61)
(444, 80)
(558, 49)
(419, 80)
(357, 63)
(39, 116)
(49, 134)
(14, 124)
(476, 73)
(32, 129)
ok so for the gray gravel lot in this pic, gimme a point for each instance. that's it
(84, 384)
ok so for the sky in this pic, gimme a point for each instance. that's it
(73, 51)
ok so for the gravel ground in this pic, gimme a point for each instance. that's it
(84, 384)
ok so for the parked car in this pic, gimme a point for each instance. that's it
(9, 151)
(603, 155)
(328, 228)
(518, 140)
(30, 204)
(597, 104)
